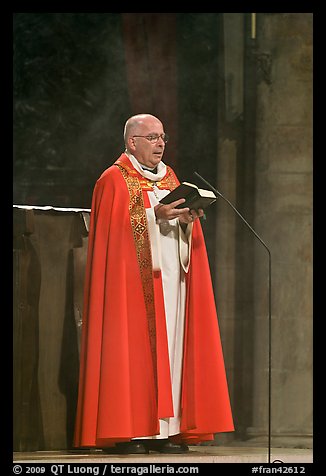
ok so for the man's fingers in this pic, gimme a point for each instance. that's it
(181, 211)
(197, 213)
(177, 202)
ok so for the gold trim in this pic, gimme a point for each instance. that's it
(168, 182)
(139, 227)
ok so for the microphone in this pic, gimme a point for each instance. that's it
(269, 306)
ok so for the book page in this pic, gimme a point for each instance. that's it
(206, 193)
(190, 184)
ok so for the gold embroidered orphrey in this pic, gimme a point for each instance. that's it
(139, 226)
(141, 238)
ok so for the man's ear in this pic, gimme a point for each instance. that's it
(131, 144)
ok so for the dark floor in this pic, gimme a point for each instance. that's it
(197, 454)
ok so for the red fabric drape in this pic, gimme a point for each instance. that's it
(119, 397)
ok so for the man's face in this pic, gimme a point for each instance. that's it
(147, 153)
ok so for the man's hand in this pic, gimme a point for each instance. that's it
(191, 216)
(169, 212)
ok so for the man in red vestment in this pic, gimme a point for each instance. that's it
(152, 373)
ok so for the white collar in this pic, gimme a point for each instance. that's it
(161, 169)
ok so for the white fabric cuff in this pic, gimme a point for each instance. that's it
(185, 238)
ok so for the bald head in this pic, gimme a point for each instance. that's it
(140, 124)
(137, 135)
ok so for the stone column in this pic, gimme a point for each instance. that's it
(283, 218)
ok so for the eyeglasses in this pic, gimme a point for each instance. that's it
(153, 138)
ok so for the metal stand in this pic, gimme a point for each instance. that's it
(269, 309)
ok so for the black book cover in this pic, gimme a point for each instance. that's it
(195, 197)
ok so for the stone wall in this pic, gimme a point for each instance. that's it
(280, 192)
(283, 215)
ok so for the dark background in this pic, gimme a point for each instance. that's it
(79, 76)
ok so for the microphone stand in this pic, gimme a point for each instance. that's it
(269, 307)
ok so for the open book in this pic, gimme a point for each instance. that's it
(195, 197)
